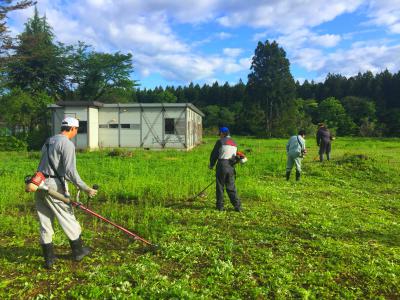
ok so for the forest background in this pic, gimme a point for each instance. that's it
(36, 70)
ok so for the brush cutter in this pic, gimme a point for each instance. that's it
(202, 191)
(238, 158)
(36, 182)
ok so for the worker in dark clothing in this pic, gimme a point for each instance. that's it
(225, 153)
(324, 138)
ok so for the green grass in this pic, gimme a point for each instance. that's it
(333, 235)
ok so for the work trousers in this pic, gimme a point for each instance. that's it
(293, 159)
(49, 208)
(324, 147)
(225, 179)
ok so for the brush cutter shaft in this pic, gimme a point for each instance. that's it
(79, 205)
(85, 209)
(198, 194)
(59, 196)
(205, 188)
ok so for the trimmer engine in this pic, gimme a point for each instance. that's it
(33, 183)
(241, 157)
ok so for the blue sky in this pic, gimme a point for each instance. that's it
(178, 42)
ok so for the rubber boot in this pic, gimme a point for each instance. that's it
(328, 156)
(48, 254)
(321, 157)
(78, 251)
(287, 175)
(238, 206)
(297, 175)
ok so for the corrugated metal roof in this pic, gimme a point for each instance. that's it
(80, 103)
(100, 104)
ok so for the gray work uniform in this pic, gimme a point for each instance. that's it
(225, 153)
(62, 155)
(294, 148)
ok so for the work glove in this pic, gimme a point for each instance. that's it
(91, 192)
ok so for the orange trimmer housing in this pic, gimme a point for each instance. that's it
(33, 183)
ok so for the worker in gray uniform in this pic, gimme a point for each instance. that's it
(224, 152)
(295, 149)
(58, 164)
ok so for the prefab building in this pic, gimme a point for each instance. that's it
(136, 125)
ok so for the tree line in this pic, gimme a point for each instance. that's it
(272, 103)
(36, 70)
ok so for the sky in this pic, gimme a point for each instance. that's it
(202, 41)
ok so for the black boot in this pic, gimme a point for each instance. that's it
(78, 251)
(48, 254)
(287, 175)
(297, 175)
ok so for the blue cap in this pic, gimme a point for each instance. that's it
(224, 130)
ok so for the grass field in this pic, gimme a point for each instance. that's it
(333, 235)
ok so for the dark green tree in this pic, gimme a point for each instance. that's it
(38, 63)
(332, 113)
(23, 111)
(217, 116)
(6, 42)
(271, 87)
(359, 109)
(165, 97)
(94, 75)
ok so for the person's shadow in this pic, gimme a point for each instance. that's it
(21, 255)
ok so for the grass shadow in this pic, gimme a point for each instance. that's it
(17, 254)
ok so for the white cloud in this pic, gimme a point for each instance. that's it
(149, 30)
(145, 30)
(310, 59)
(385, 13)
(304, 38)
(224, 35)
(325, 40)
(285, 15)
(232, 52)
(350, 62)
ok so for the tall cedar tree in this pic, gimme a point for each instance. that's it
(39, 63)
(6, 42)
(7, 6)
(271, 87)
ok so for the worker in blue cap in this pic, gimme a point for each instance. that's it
(224, 154)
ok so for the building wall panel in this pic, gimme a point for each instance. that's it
(152, 128)
(177, 139)
(80, 113)
(93, 128)
(134, 125)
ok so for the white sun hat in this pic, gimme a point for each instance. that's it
(70, 121)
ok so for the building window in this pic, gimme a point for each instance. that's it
(82, 127)
(113, 126)
(169, 125)
(103, 125)
(130, 126)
